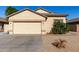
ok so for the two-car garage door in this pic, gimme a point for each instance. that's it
(27, 28)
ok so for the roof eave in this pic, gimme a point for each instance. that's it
(58, 16)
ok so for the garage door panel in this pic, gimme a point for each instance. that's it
(27, 28)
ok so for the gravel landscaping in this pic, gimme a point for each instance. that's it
(71, 44)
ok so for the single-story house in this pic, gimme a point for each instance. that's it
(39, 21)
(74, 24)
(2, 22)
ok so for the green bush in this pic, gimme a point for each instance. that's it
(68, 27)
(59, 28)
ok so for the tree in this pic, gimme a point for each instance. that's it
(59, 28)
(10, 10)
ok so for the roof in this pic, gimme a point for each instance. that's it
(43, 9)
(73, 20)
(54, 15)
(50, 14)
(25, 10)
(3, 20)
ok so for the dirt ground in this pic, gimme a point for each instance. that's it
(71, 44)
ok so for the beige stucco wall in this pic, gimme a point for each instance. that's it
(10, 29)
(77, 27)
(26, 16)
(47, 25)
(30, 16)
(6, 28)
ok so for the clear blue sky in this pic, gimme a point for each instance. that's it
(73, 11)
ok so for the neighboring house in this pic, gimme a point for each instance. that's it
(74, 24)
(27, 21)
(2, 22)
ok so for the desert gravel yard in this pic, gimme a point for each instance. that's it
(71, 44)
(20, 43)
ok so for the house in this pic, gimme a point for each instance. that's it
(27, 21)
(74, 24)
(2, 22)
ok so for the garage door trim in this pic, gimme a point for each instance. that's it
(28, 22)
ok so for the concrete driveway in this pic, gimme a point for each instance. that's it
(20, 43)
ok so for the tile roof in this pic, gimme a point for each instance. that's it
(50, 14)
(3, 20)
(24, 10)
(54, 15)
(73, 20)
(43, 9)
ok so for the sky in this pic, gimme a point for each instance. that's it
(72, 11)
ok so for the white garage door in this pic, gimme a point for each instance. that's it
(27, 28)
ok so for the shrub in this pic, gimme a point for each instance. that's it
(68, 27)
(59, 28)
(59, 43)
